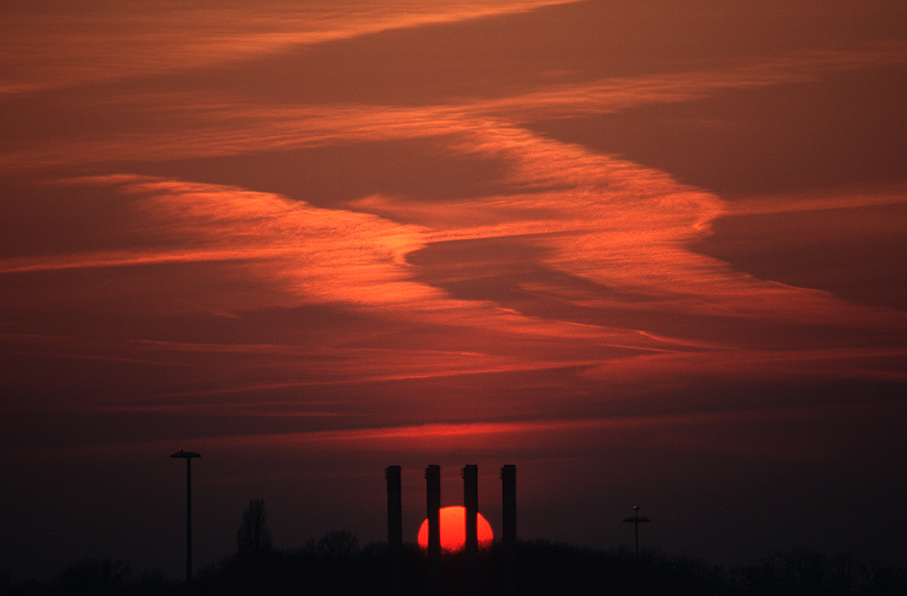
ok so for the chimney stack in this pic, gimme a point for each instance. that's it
(471, 503)
(433, 488)
(394, 508)
(508, 481)
(394, 530)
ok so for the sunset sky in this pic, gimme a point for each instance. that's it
(653, 253)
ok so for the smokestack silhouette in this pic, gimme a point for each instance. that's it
(508, 481)
(394, 508)
(433, 491)
(394, 529)
(471, 504)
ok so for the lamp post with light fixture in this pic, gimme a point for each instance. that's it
(188, 455)
(636, 520)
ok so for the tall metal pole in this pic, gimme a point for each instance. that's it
(188, 519)
(636, 527)
(636, 520)
(188, 455)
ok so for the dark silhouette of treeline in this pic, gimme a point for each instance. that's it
(337, 565)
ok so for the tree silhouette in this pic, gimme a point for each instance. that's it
(253, 536)
(96, 576)
(337, 547)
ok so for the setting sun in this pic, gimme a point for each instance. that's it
(453, 530)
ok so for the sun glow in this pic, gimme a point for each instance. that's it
(453, 530)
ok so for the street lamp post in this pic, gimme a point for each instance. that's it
(188, 455)
(636, 520)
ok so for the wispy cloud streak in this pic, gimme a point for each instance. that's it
(229, 126)
(42, 50)
(618, 234)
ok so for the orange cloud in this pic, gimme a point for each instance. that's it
(225, 125)
(611, 238)
(615, 225)
(42, 50)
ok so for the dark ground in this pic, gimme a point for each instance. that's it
(336, 565)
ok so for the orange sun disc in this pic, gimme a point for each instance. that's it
(453, 530)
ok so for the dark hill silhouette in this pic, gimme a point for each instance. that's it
(337, 565)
